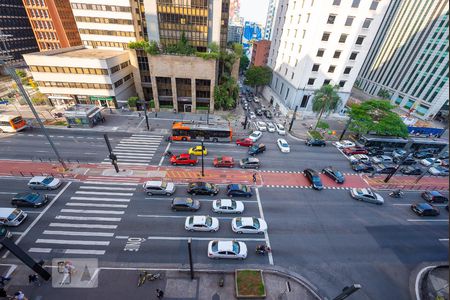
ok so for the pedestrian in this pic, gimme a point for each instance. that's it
(159, 293)
(254, 177)
(156, 114)
(3, 279)
(139, 114)
(3, 293)
(33, 278)
(19, 295)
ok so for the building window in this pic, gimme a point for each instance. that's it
(360, 40)
(299, 48)
(349, 21)
(304, 33)
(343, 38)
(337, 54)
(342, 83)
(326, 36)
(374, 5)
(331, 69)
(326, 81)
(347, 70)
(355, 3)
(292, 75)
(367, 22)
(287, 94)
(315, 67)
(353, 55)
(331, 19)
(304, 101)
(307, 17)
(311, 81)
(320, 52)
(337, 2)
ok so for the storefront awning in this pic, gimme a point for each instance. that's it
(60, 97)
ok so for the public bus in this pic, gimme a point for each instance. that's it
(12, 123)
(397, 142)
(196, 131)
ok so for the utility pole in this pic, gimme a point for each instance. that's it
(432, 164)
(347, 291)
(12, 73)
(146, 117)
(293, 118)
(207, 116)
(112, 156)
(400, 163)
(191, 265)
(345, 129)
(203, 165)
(245, 121)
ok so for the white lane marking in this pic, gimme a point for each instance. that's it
(137, 147)
(16, 232)
(176, 217)
(139, 143)
(79, 233)
(150, 141)
(132, 154)
(40, 250)
(123, 159)
(89, 153)
(409, 204)
(83, 251)
(131, 164)
(93, 211)
(427, 220)
(74, 225)
(178, 238)
(100, 199)
(77, 218)
(39, 216)
(72, 242)
(96, 205)
(104, 193)
(8, 193)
(107, 188)
(121, 237)
(443, 240)
(108, 183)
(165, 151)
(133, 150)
(266, 235)
(201, 200)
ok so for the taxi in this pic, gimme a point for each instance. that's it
(223, 161)
(197, 150)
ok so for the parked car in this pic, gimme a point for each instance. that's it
(283, 146)
(359, 158)
(399, 153)
(256, 99)
(373, 151)
(252, 115)
(249, 163)
(29, 200)
(423, 154)
(334, 174)
(271, 127)
(248, 225)
(258, 112)
(183, 159)
(314, 178)
(434, 197)
(362, 167)
(438, 171)
(366, 195)
(255, 136)
(344, 144)
(223, 161)
(355, 150)
(430, 161)
(239, 190)
(444, 162)
(159, 187)
(431, 150)
(384, 159)
(268, 114)
(201, 223)
(444, 155)
(202, 188)
(315, 142)
(228, 206)
(280, 129)
(197, 150)
(185, 203)
(408, 161)
(256, 149)
(227, 249)
(247, 142)
(11, 216)
(44, 183)
(384, 168)
(410, 170)
(425, 209)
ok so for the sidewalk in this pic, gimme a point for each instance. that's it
(432, 283)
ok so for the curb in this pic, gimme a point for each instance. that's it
(423, 275)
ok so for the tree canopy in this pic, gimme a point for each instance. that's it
(325, 101)
(376, 116)
(243, 64)
(257, 76)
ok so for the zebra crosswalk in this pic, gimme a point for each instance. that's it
(137, 149)
(87, 222)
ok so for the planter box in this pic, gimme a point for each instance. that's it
(249, 284)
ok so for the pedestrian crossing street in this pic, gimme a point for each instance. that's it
(137, 149)
(87, 222)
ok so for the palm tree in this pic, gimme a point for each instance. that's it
(326, 100)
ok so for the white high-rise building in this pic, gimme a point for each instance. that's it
(316, 42)
(271, 10)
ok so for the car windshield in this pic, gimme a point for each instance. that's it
(233, 204)
(284, 144)
(13, 215)
(208, 221)
(359, 192)
(338, 174)
(189, 201)
(164, 185)
(316, 180)
(214, 246)
(208, 186)
(256, 223)
(238, 222)
(236, 247)
(47, 180)
(191, 220)
(32, 197)
(254, 134)
(280, 127)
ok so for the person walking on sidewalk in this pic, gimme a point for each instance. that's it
(159, 293)
(33, 278)
(254, 178)
(19, 295)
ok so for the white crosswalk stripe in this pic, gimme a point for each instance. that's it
(73, 225)
(137, 150)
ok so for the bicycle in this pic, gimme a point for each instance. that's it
(144, 275)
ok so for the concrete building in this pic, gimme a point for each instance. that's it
(260, 53)
(53, 23)
(235, 7)
(79, 75)
(316, 43)
(409, 57)
(271, 12)
(235, 34)
(16, 34)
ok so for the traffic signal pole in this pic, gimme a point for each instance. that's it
(112, 156)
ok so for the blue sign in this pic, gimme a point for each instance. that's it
(4, 102)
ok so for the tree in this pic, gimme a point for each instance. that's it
(132, 101)
(376, 116)
(243, 64)
(226, 93)
(257, 76)
(181, 47)
(325, 101)
(384, 94)
(323, 125)
(21, 73)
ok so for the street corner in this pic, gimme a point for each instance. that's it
(432, 282)
(74, 272)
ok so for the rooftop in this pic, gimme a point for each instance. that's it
(80, 52)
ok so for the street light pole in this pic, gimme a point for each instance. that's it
(191, 265)
(146, 117)
(203, 165)
(347, 291)
(409, 151)
(293, 118)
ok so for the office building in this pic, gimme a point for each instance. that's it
(16, 34)
(271, 11)
(235, 34)
(79, 75)
(316, 43)
(53, 23)
(409, 58)
(260, 53)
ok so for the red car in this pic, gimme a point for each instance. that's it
(184, 159)
(355, 150)
(244, 142)
(223, 161)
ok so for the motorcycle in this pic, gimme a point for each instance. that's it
(396, 194)
(263, 249)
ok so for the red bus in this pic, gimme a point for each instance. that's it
(10, 123)
(193, 131)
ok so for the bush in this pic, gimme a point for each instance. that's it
(315, 134)
(207, 56)
(152, 103)
(132, 101)
(323, 125)
(138, 44)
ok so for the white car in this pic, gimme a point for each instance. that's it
(44, 183)
(227, 249)
(228, 206)
(283, 146)
(201, 223)
(261, 126)
(248, 225)
(271, 127)
(382, 159)
(256, 99)
(252, 115)
(256, 135)
(280, 129)
(344, 144)
(159, 187)
(366, 195)
(357, 158)
(431, 161)
(438, 171)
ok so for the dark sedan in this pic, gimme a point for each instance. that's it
(256, 149)
(314, 178)
(239, 190)
(425, 209)
(315, 142)
(362, 167)
(29, 200)
(423, 154)
(410, 170)
(202, 188)
(334, 174)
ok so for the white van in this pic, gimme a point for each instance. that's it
(11, 216)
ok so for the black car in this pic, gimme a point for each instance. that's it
(256, 149)
(375, 151)
(423, 154)
(425, 209)
(362, 167)
(334, 174)
(434, 197)
(314, 177)
(444, 155)
(184, 203)
(268, 114)
(384, 168)
(259, 112)
(408, 161)
(410, 170)
(239, 190)
(29, 200)
(315, 142)
(202, 188)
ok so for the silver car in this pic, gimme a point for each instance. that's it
(44, 183)
(159, 187)
(366, 195)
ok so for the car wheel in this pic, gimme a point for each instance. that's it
(337, 181)
(168, 194)
(191, 230)
(239, 212)
(193, 193)
(191, 165)
(212, 194)
(240, 232)
(323, 145)
(149, 194)
(212, 230)
(215, 140)
(174, 164)
(184, 139)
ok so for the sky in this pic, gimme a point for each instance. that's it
(254, 10)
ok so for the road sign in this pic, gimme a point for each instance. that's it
(4, 101)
